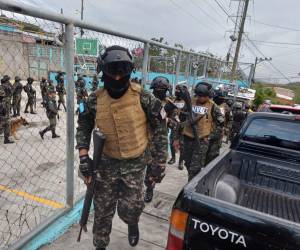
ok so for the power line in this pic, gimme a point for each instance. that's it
(194, 17)
(203, 11)
(282, 43)
(270, 62)
(276, 26)
(222, 8)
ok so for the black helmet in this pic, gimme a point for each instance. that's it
(207, 84)
(5, 78)
(30, 80)
(237, 106)
(115, 60)
(230, 102)
(17, 79)
(160, 82)
(201, 90)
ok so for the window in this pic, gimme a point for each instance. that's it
(278, 133)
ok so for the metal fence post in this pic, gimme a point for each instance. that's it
(206, 62)
(187, 68)
(145, 64)
(69, 66)
(195, 72)
(177, 71)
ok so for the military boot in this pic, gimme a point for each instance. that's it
(7, 140)
(133, 234)
(42, 133)
(148, 195)
(100, 248)
(54, 135)
(172, 161)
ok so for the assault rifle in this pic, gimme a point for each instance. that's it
(185, 95)
(99, 140)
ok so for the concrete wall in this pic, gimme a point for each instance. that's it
(18, 57)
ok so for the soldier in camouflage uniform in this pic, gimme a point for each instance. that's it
(95, 83)
(123, 112)
(31, 95)
(209, 121)
(44, 87)
(61, 91)
(52, 113)
(8, 89)
(216, 143)
(4, 117)
(17, 96)
(160, 86)
(238, 117)
(81, 92)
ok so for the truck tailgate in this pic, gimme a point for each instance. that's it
(217, 225)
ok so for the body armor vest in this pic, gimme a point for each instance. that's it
(123, 122)
(205, 124)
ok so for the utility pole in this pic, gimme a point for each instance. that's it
(238, 45)
(257, 61)
(81, 17)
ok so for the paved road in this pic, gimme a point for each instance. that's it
(32, 176)
(154, 223)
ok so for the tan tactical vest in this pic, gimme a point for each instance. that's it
(123, 122)
(205, 124)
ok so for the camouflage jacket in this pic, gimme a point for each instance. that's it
(17, 88)
(30, 91)
(60, 88)
(157, 126)
(51, 107)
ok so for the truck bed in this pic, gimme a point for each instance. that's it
(270, 202)
(257, 182)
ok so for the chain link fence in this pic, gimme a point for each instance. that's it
(38, 178)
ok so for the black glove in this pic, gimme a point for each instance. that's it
(85, 166)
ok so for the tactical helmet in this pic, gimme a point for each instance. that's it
(160, 82)
(17, 79)
(237, 105)
(115, 60)
(201, 90)
(30, 80)
(5, 78)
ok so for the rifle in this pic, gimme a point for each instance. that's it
(185, 95)
(99, 140)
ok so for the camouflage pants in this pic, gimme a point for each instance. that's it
(119, 186)
(61, 100)
(29, 104)
(194, 156)
(5, 126)
(17, 104)
(213, 150)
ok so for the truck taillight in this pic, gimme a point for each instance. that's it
(177, 230)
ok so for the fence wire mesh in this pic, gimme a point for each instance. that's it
(33, 170)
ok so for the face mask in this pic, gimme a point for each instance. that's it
(161, 94)
(116, 88)
(177, 95)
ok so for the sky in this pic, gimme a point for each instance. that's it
(203, 26)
